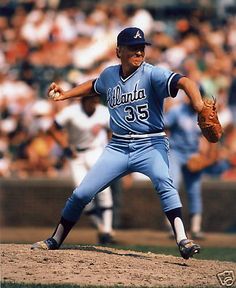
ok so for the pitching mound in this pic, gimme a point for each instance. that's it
(93, 265)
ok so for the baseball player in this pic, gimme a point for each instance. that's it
(134, 92)
(185, 142)
(85, 125)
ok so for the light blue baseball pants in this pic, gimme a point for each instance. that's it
(121, 157)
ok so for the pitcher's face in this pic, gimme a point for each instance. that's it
(132, 56)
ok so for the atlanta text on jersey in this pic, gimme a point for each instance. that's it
(115, 98)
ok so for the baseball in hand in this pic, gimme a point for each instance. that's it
(53, 94)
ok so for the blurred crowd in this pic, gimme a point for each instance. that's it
(44, 41)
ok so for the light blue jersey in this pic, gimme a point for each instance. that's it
(136, 103)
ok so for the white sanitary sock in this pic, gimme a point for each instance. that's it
(179, 229)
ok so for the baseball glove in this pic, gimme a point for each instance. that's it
(208, 121)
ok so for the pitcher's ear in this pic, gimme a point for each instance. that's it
(118, 52)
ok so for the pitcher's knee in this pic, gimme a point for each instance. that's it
(169, 198)
(80, 197)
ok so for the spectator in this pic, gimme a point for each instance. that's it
(37, 28)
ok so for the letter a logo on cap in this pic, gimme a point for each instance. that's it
(131, 36)
(137, 35)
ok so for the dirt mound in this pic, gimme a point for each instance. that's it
(94, 265)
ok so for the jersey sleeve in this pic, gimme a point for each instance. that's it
(99, 84)
(165, 80)
(172, 84)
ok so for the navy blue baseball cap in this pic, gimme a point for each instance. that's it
(131, 36)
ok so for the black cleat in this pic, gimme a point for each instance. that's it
(49, 244)
(105, 239)
(187, 248)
